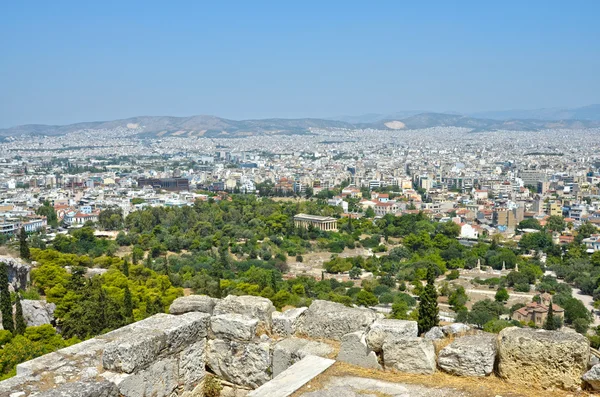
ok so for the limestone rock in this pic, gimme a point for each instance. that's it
(244, 364)
(550, 359)
(331, 320)
(159, 379)
(133, 351)
(193, 303)
(83, 389)
(18, 272)
(455, 329)
(291, 350)
(354, 350)
(434, 333)
(387, 330)
(192, 364)
(233, 326)
(285, 324)
(180, 330)
(37, 312)
(471, 355)
(413, 355)
(593, 377)
(251, 306)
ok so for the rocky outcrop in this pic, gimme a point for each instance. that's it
(291, 350)
(354, 350)
(255, 307)
(471, 355)
(37, 312)
(434, 333)
(413, 355)
(193, 303)
(286, 323)
(383, 330)
(18, 272)
(593, 377)
(331, 320)
(549, 359)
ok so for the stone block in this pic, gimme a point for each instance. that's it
(471, 355)
(291, 350)
(251, 306)
(387, 330)
(434, 333)
(180, 331)
(159, 379)
(412, 355)
(83, 389)
(285, 324)
(193, 303)
(354, 350)
(330, 320)
(455, 329)
(192, 364)
(134, 351)
(233, 326)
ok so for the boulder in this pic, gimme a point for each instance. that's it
(159, 379)
(593, 377)
(331, 320)
(134, 351)
(455, 329)
(413, 355)
(193, 303)
(244, 364)
(251, 306)
(83, 389)
(233, 327)
(549, 359)
(387, 330)
(180, 331)
(285, 324)
(471, 355)
(354, 350)
(291, 350)
(192, 364)
(37, 312)
(434, 333)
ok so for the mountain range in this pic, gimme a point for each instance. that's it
(212, 126)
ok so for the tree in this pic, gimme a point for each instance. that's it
(458, 298)
(127, 306)
(502, 295)
(556, 223)
(20, 324)
(126, 268)
(400, 310)
(355, 272)
(5, 305)
(549, 324)
(530, 223)
(23, 245)
(48, 211)
(428, 307)
(370, 213)
(366, 298)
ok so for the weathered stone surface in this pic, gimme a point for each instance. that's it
(434, 333)
(233, 326)
(593, 377)
(549, 359)
(387, 330)
(245, 364)
(193, 303)
(83, 389)
(134, 351)
(18, 272)
(285, 324)
(291, 350)
(331, 320)
(471, 355)
(251, 306)
(354, 350)
(180, 330)
(37, 312)
(192, 364)
(413, 355)
(47, 362)
(455, 329)
(158, 380)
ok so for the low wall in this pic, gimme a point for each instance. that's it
(245, 342)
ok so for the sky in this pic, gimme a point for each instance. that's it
(69, 61)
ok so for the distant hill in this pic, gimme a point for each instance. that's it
(591, 112)
(212, 126)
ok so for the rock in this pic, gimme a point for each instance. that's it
(285, 324)
(18, 272)
(549, 359)
(593, 361)
(134, 351)
(192, 364)
(159, 379)
(244, 364)
(37, 312)
(251, 306)
(193, 303)
(180, 331)
(83, 389)
(354, 350)
(471, 355)
(455, 329)
(434, 333)
(593, 377)
(331, 320)
(291, 350)
(413, 355)
(233, 326)
(387, 330)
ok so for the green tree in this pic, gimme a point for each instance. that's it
(556, 223)
(48, 211)
(126, 268)
(5, 305)
(550, 324)
(400, 310)
(366, 298)
(20, 324)
(127, 306)
(369, 213)
(355, 273)
(458, 298)
(502, 295)
(24, 245)
(428, 307)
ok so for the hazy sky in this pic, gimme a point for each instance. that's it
(63, 62)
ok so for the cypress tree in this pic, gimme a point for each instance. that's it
(5, 305)
(127, 306)
(20, 324)
(428, 307)
(549, 324)
(23, 245)
(126, 268)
